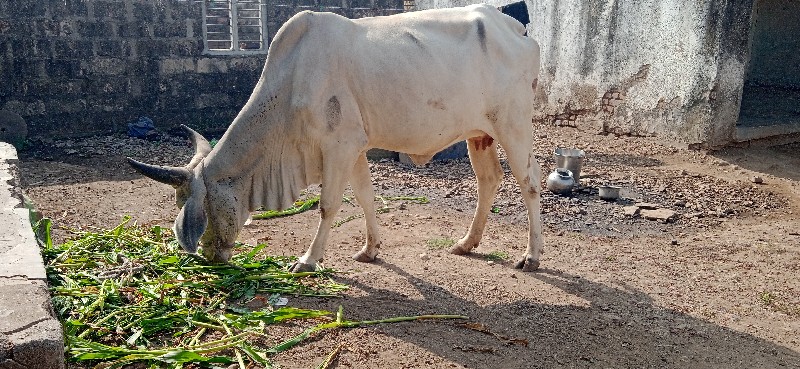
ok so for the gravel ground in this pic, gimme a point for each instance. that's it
(713, 285)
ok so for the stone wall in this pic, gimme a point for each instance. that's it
(78, 67)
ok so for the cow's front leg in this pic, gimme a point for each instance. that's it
(365, 194)
(334, 179)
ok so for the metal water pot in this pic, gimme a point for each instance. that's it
(560, 181)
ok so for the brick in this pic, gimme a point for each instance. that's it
(186, 47)
(389, 4)
(108, 85)
(66, 106)
(142, 68)
(209, 65)
(29, 48)
(144, 12)
(57, 68)
(211, 100)
(104, 66)
(152, 48)
(330, 3)
(134, 30)
(105, 103)
(369, 4)
(175, 66)
(185, 10)
(109, 10)
(26, 108)
(170, 29)
(116, 48)
(72, 49)
(30, 68)
(280, 14)
(94, 29)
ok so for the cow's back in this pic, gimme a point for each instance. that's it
(441, 70)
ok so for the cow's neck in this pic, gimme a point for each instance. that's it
(264, 163)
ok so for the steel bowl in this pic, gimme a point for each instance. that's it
(609, 192)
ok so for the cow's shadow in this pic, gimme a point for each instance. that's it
(611, 328)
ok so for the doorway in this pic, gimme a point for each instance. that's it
(771, 92)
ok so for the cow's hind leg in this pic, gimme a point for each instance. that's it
(365, 194)
(483, 156)
(518, 145)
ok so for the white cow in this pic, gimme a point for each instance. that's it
(332, 88)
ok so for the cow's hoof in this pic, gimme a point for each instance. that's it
(457, 250)
(364, 256)
(299, 267)
(527, 264)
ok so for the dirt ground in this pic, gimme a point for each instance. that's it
(715, 286)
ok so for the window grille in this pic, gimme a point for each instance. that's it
(234, 26)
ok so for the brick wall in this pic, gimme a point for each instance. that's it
(79, 67)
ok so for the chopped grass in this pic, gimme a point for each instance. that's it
(129, 295)
(497, 256)
(440, 243)
(303, 205)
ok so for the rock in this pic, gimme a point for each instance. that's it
(630, 210)
(663, 215)
(757, 179)
(646, 205)
(424, 256)
(13, 128)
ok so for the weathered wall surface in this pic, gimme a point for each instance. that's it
(74, 67)
(641, 67)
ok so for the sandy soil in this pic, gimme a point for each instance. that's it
(715, 287)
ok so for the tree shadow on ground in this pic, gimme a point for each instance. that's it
(614, 328)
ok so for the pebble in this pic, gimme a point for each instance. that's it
(424, 256)
(757, 179)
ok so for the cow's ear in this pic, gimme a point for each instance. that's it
(191, 221)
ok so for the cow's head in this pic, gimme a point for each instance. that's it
(195, 200)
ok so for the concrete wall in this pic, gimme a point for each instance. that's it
(30, 334)
(670, 68)
(75, 67)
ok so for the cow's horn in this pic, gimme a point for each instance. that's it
(201, 146)
(175, 176)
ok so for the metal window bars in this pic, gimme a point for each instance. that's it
(234, 26)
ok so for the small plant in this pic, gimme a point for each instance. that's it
(497, 256)
(440, 243)
(767, 298)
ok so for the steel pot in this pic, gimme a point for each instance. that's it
(560, 181)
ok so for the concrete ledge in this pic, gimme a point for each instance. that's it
(30, 335)
(767, 130)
